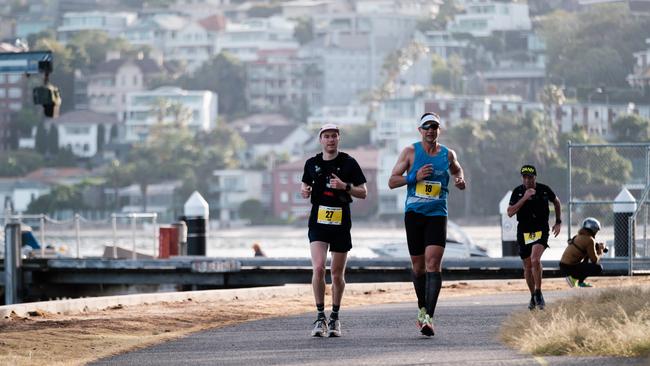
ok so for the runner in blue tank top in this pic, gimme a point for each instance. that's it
(428, 165)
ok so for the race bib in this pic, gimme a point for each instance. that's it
(330, 215)
(428, 189)
(530, 238)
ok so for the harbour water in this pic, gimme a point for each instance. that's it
(275, 241)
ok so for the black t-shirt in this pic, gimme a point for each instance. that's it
(533, 215)
(317, 174)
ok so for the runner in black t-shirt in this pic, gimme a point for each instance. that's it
(331, 179)
(530, 202)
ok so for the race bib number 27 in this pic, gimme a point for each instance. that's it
(330, 215)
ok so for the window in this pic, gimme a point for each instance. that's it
(297, 178)
(297, 197)
(13, 78)
(15, 93)
(284, 178)
(284, 197)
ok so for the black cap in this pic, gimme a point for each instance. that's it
(528, 170)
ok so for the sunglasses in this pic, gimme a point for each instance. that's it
(433, 126)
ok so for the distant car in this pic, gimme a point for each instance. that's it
(459, 245)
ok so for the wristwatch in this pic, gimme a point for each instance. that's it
(558, 222)
(348, 187)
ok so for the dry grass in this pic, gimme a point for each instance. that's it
(610, 322)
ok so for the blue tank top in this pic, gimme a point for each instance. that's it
(429, 196)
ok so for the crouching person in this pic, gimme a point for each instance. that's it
(581, 258)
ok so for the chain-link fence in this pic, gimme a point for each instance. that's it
(607, 181)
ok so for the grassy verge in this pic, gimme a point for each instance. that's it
(609, 322)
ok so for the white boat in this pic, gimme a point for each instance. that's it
(459, 245)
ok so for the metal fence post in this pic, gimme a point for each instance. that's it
(13, 263)
(114, 222)
(570, 198)
(133, 255)
(42, 219)
(76, 231)
(155, 232)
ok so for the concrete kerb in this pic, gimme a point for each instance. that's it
(71, 306)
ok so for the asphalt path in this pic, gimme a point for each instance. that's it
(466, 334)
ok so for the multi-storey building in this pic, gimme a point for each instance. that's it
(143, 109)
(113, 23)
(12, 94)
(108, 86)
(482, 17)
(274, 80)
(179, 38)
(79, 131)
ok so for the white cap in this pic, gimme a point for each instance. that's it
(328, 127)
(429, 117)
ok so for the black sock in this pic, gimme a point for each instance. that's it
(335, 312)
(434, 284)
(321, 310)
(420, 284)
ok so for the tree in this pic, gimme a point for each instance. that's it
(53, 140)
(41, 139)
(252, 210)
(304, 30)
(117, 175)
(224, 75)
(593, 47)
(114, 132)
(20, 162)
(60, 198)
(101, 138)
(631, 128)
(22, 123)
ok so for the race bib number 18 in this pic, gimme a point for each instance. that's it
(530, 238)
(428, 189)
(330, 215)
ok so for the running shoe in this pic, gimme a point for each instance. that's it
(540, 301)
(571, 281)
(427, 326)
(422, 313)
(320, 328)
(532, 303)
(585, 284)
(334, 326)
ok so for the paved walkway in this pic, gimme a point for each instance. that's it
(466, 334)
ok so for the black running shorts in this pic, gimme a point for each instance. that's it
(340, 240)
(422, 231)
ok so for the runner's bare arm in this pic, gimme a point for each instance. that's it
(305, 190)
(397, 177)
(456, 170)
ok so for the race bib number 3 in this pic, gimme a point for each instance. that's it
(428, 189)
(330, 215)
(530, 238)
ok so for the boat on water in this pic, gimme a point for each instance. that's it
(459, 245)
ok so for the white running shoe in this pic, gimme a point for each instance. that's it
(320, 328)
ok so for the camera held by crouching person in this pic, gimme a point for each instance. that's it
(602, 247)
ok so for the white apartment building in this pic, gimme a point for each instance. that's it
(199, 9)
(307, 8)
(350, 50)
(141, 110)
(246, 39)
(78, 130)
(482, 17)
(419, 8)
(640, 77)
(344, 115)
(113, 23)
(108, 86)
(179, 38)
(274, 80)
